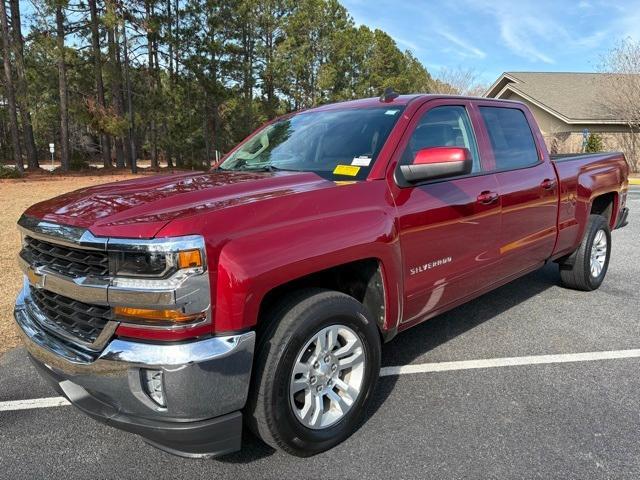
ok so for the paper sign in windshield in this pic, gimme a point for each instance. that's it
(348, 170)
(361, 161)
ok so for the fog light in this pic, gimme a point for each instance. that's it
(153, 386)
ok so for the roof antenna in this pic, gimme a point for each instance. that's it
(388, 95)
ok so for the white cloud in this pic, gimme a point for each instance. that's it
(520, 38)
(524, 27)
(465, 46)
(495, 35)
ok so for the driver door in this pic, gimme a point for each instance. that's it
(448, 228)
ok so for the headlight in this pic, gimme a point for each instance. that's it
(156, 259)
(150, 264)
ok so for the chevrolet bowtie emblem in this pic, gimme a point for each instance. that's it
(35, 278)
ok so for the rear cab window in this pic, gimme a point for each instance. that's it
(511, 138)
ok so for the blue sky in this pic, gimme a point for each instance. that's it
(493, 36)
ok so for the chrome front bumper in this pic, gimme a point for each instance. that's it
(205, 384)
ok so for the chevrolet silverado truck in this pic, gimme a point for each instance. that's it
(259, 293)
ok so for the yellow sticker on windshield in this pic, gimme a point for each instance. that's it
(348, 170)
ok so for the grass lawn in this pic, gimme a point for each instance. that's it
(15, 197)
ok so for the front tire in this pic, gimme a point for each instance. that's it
(316, 367)
(586, 268)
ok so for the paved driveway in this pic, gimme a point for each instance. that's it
(517, 414)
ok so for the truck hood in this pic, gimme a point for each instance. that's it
(140, 208)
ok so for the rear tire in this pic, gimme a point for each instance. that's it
(292, 353)
(586, 268)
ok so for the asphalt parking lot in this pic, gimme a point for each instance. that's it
(563, 419)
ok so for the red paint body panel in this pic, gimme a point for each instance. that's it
(140, 208)
(266, 244)
(428, 156)
(439, 243)
(580, 182)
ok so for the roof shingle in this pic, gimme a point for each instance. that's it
(584, 97)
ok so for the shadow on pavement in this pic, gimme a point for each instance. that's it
(406, 347)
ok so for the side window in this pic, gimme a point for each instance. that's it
(511, 138)
(447, 126)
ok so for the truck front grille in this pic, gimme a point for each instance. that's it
(80, 320)
(74, 262)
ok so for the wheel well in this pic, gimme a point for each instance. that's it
(361, 279)
(604, 205)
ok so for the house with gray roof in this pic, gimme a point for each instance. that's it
(568, 104)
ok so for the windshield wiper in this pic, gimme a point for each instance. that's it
(267, 168)
(264, 168)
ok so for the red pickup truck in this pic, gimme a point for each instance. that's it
(260, 293)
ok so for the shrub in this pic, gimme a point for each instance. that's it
(78, 162)
(6, 172)
(594, 143)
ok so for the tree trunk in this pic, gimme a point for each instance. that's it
(268, 77)
(22, 90)
(158, 92)
(206, 127)
(248, 42)
(62, 86)
(168, 153)
(152, 91)
(176, 12)
(116, 91)
(9, 91)
(172, 79)
(120, 105)
(105, 140)
(133, 161)
(170, 36)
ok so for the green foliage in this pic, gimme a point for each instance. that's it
(594, 143)
(78, 162)
(7, 172)
(223, 68)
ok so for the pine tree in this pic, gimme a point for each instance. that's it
(179, 80)
(22, 98)
(62, 85)
(105, 140)
(9, 89)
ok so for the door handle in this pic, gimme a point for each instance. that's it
(548, 184)
(487, 197)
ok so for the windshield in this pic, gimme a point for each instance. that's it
(336, 144)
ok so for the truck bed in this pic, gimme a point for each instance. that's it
(583, 177)
(592, 157)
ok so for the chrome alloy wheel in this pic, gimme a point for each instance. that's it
(598, 253)
(327, 377)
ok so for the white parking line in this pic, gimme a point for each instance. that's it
(509, 362)
(404, 370)
(33, 403)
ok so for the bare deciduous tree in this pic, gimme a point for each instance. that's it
(622, 64)
(459, 81)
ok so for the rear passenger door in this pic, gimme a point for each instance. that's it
(527, 185)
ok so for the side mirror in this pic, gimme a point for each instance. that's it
(438, 162)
